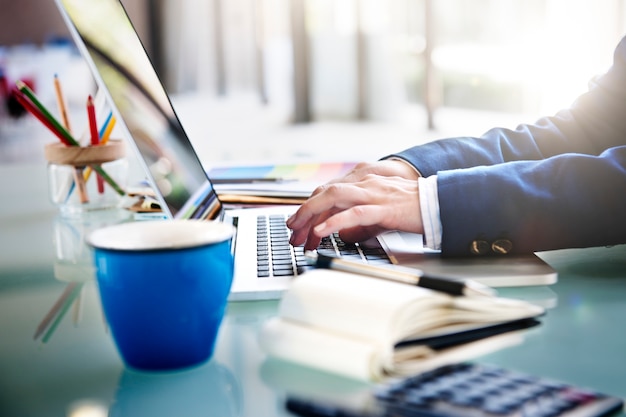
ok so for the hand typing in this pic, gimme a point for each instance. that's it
(370, 199)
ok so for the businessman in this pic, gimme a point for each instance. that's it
(557, 183)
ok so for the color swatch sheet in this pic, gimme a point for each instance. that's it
(294, 180)
(318, 172)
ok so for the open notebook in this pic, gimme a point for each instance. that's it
(106, 38)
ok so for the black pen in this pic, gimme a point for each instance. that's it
(306, 408)
(401, 274)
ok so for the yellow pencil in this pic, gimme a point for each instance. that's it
(107, 132)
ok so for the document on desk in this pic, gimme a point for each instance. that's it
(279, 180)
(370, 329)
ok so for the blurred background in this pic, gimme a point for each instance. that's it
(275, 80)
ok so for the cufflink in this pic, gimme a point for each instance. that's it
(501, 246)
(479, 247)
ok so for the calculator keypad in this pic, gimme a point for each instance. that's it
(483, 391)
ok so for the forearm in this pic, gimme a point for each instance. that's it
(564, 201)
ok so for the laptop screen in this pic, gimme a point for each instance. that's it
(108, 41)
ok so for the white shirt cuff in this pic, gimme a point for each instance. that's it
(429, 207)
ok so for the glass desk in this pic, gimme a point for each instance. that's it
(77, 371)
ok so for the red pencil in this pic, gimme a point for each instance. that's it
(28, 105)
(93, 126)
(95, 137)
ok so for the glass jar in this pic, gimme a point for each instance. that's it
(86, 179)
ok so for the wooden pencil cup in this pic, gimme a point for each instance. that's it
(84, 179)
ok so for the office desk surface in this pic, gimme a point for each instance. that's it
(77, 371)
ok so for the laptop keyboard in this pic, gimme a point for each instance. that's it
(276, 257)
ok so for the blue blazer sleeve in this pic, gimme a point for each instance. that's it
(557, 183)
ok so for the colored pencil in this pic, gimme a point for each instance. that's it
(30, 107)
(95, 137)
(108, 179)
(49, 120)
(63, 134)
(104, 138)
(93, 125)
(105, 125)
(77, 172)
(61, 103)
(105, 135)
(87, 171)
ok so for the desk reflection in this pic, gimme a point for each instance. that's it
(74, 265)
(208, 390)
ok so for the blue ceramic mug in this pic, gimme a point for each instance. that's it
(164, 286)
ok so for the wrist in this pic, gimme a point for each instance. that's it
(429, 209)
(408, 170)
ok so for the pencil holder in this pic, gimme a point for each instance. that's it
(86, 179)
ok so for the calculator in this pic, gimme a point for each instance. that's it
(472, 390)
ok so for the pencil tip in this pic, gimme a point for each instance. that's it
(20, 84)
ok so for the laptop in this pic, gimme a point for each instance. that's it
(108, 41)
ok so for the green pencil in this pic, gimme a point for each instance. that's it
(108, 179)
(33, 98)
